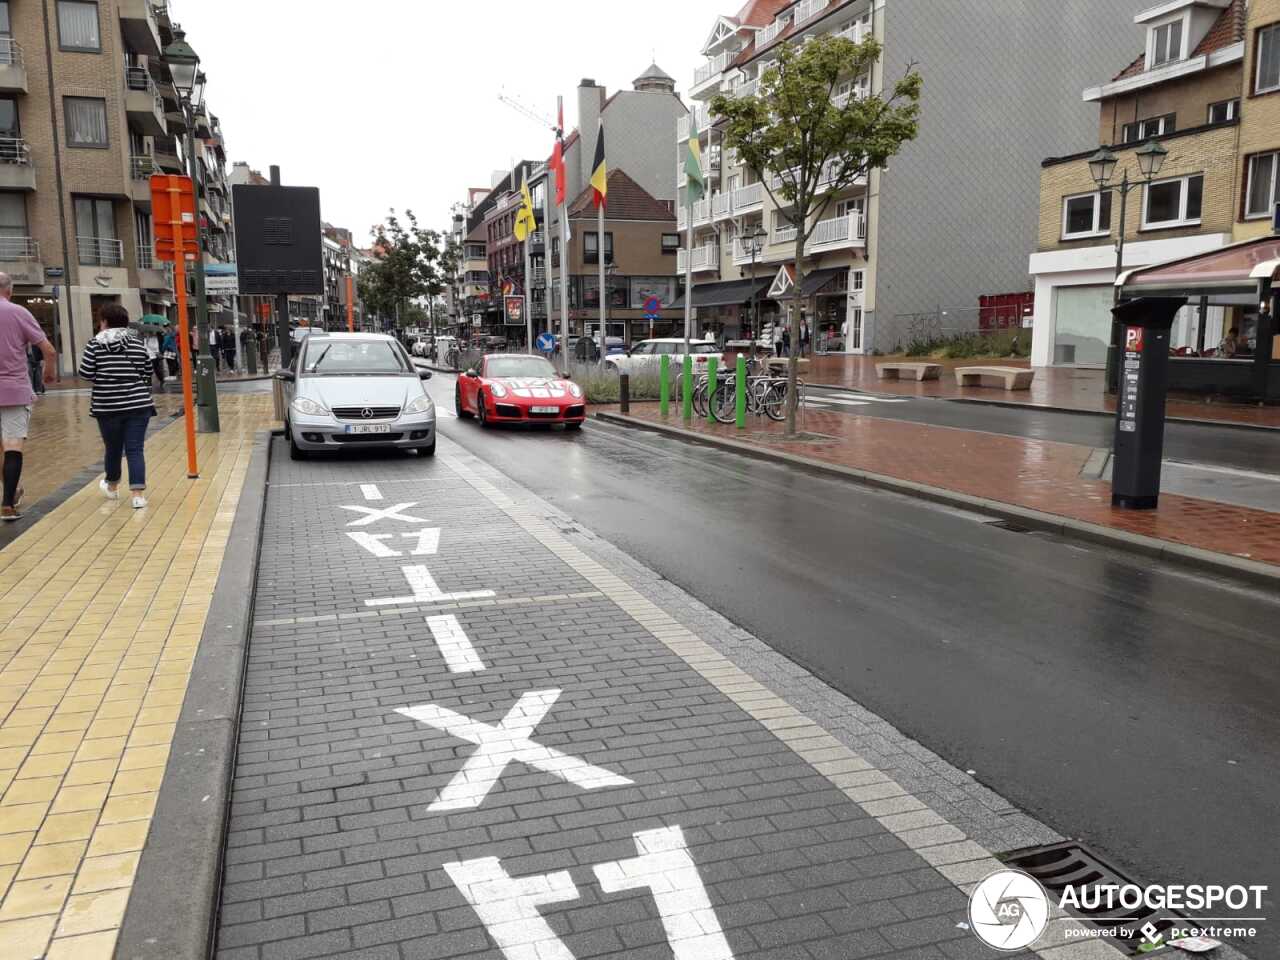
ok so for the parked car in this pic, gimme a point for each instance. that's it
(646, 356)
(518, 388)
(356, 389)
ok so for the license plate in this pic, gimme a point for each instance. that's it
(368, 428)
(544, 409)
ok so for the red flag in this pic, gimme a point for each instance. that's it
(557, 161)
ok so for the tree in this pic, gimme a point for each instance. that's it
(795, 131)
(410, 264)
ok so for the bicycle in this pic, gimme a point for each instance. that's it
(765, 396)
(451, 358)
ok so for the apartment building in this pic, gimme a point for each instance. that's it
(1204, 66)
(88, 112)
(945, 224)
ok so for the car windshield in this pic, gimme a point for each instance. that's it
(702, 348)
(518, 367)
(345, 358)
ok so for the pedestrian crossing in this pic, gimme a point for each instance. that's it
(836, 401)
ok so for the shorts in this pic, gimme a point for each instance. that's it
(15, 422)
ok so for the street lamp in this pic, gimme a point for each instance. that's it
(755, 243)
(189, 79)
(1102, 167)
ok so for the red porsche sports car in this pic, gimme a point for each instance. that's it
(515, 388)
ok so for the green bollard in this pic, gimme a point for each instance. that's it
(664, 384)
(740, 393)
(686, 391)
(712, 380)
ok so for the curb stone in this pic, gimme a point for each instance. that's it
(173, 906)
(1252, 571)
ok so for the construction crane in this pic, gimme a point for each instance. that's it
(529, 112)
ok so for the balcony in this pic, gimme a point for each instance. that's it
(699, 119)
(167, 158)
(100, 251)
(705, 258)
(138, 24)
(825, 179)
(701, 215)
(742, 253)
(153, 274)
(839, 232)
(721, 206)
(783, 234)
(707, 77)
(747, 88)
(770, 33)
(857, 31)
(141, 169)
(202, 128)
(806, 10)
(13, 68)
(20, 259)
(16, 170)
(748, 199)
(143, 104)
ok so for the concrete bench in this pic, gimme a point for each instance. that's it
(1014, 378)
(909, 371)
(777, 366)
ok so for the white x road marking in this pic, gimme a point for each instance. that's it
(425, 590)
(506, 743)
(390, 513)
(427, 545)
(454, 645)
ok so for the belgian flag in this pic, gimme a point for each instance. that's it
(599, 172)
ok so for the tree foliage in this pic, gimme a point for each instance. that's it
(411, 264)
(795, 129)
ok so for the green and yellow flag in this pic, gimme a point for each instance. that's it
(693, 170)
(526, 220)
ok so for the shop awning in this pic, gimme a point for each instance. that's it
(1238, 267)
(815, 281)
(726, 293)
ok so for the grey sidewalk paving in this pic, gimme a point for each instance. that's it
(472, 730)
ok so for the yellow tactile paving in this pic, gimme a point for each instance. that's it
(101, 612)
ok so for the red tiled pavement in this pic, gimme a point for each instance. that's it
(1035, 474)
(1061, 387)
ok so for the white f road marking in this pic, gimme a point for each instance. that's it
(506, 743)
(390, 513)
(456, 649)
(509, 907)
(425, 590)
(370, 491)
(665, 867)
(373, 543)
(428, 542)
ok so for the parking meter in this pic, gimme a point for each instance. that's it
(1144, 382)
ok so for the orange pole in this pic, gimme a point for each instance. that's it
(184, 329)
(351, 307)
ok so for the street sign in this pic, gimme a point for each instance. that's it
(278, 241)
(173, 212)
(221, 280)
(546, 343)
(652, 308)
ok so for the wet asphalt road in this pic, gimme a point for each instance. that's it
(1128, 704)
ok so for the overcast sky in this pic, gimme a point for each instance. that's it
(394, 103)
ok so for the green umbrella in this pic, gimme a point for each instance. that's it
(154, 320)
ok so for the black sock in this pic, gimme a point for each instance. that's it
(12, 473)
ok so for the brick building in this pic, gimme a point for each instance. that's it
(89, 111)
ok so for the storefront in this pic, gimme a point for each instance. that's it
(1233, 350)
(724, 311)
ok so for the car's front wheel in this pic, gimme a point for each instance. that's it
(482, 418)
(462, 412)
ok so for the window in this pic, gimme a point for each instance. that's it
(78, 26)
(1268, 76)
(1173, 203)
(1087, 215)
(6, 29)
(1166, 43)
(642, 288)
(591, 248)
(1146, 129)
(670, 243)
(96, 232)
(1224, 110)
(555, 251)
(86, 121)
(13, 215)
(1261, 196)
(858, 279)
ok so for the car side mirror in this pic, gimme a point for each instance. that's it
(472, 374)
(424, 374)
(286, 375)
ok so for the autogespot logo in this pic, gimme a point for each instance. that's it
(1009, 910)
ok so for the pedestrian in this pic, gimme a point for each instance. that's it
(35, 367)
(786, 342)
(228, 341)
(777, 338)
(151, 343)
(169, 350)
(18, 331)
(116, 363)
(213, 348)
(804, 336)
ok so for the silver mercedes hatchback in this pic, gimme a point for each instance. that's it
(356, 390)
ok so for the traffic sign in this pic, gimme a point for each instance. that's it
(173, 216)
(546, 342)
(652, 306)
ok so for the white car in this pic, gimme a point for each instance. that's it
(646, 356)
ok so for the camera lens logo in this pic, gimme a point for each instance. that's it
(1009, 910)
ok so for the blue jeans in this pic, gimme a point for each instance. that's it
(125, 433)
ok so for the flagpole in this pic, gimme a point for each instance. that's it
(546, 251)
(604, 330)
(528, 276)
(688, 265)
(564, 262)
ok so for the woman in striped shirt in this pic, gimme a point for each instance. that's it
(116, 363)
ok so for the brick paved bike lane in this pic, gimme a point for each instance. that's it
(462, 737)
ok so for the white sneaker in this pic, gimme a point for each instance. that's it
(139, 502)
(107, 491)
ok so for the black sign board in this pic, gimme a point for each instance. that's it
(278, 245)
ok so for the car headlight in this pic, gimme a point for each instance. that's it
(420, 404)
(497, 389)
(308, 407)
(575, 390)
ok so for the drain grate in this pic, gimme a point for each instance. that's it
(1009, 525)
(1069, 864)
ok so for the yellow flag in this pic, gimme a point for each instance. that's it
(526, 220)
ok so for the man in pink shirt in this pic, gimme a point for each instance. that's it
(18, 331)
